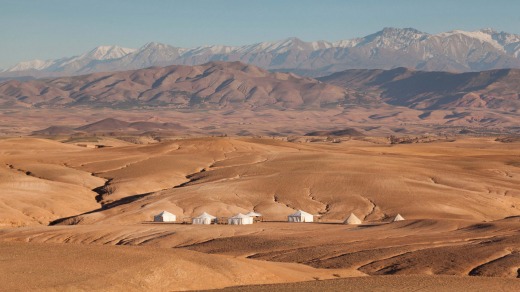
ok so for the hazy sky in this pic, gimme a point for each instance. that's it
(44, 29)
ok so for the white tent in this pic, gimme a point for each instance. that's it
(204, 218)
(352, 220)
(164, 216)
(240, 219)
(398, 218)
(300, 216)
(253, 214)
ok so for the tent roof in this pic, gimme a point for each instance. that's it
(240, 216)
(253, 214)
(206, 215)
(301, 213)
(352, 219)
(164, 213)
(398, 218)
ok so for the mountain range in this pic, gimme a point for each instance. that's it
(455, 51)
(214, 85)
(493, 89)
(235, 85)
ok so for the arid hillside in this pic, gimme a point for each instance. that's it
(91, 209)
(235, 99)
(495, 89)
(473, 179)
(213, 85)
(235, 85)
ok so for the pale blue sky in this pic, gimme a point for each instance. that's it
(44, 29)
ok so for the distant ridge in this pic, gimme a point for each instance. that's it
(235, 86)
(110, 125)
(214, 85)
(493, 89)
(455, 51)
(338, 133)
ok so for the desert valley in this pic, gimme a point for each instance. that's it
(389, 162)
(63, 203)
(88, 161)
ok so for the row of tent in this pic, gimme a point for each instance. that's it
(243, 219)
(302, 216)
(205, 218)
(354, 220)
(239, 219)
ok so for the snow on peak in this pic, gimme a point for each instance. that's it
(393, 38)
(347, 43)
(101, 53)
(30, 65)
(388, 37)
(319, 45)
(281, 45)
(159, 53)
(284, 45)
(220, 49)
(107, 53)
(484, 36)
(216, 49)
(152, 45)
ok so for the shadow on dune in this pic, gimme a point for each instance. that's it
(72, 220)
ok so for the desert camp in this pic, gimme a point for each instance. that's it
(240, 219)
(251, 217)
(204, 219)
(271, 178)
(259, 146)
(300, 216)
(352, 220)
(164, 216)
(397, 218)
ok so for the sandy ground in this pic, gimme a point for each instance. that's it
(393, 283)
(70, 267)
(381, 120)
(473, 179)
(461, 200)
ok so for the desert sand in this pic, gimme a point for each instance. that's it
(393, 283)
(79, 218)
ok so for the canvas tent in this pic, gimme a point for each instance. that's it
(253, 214)
(164, 216)
(352, 220)
(398, 218)
(300, 216)
(204, 218)
(240, 219)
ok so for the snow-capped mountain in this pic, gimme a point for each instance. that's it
(458, 51)
(389, 38)
(31, 65)
(151, 54)
(73, 64)
(107, 53)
